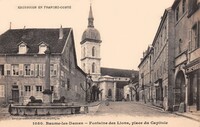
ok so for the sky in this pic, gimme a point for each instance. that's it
(127, 27)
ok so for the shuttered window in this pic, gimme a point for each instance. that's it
(15, 69)
(36, 70)
(53, 69)
(2, 91)
(7, 70)
(32, 69)
(27, 69)
(40, 70)
(43, 69)
(195, 36)
(21, 66)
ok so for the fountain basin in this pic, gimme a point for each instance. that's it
(43, 109)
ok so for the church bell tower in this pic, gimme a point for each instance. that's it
(90, 49)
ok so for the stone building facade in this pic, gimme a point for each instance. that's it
(187, 53)
(176, 58)
(145, 75)
(156, 67)
(22, 65)
(163, 64)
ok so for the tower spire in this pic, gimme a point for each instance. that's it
(90, 18)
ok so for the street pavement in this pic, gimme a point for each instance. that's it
(116, 114)
(132, 109)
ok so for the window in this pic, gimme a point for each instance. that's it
(7, 69)
(41, 69)
(36, 70)
(110, 93)
(15, 86)
(195, 36)
(177, 13)
(1, 70)
(93, 51)
(22, 48)
(180, 45)
(42, 48)
(52, 88)
(183, 6)
(93, 68)
(27, 69)
(27, 88)
(39, 88)
(2, 91)
(62, 83)
(68, 84)
(15, 69)
(53, 70)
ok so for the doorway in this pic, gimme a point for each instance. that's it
(15, 95)
(179, 88)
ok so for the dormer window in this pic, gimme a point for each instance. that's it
(23, 48)
(42, 48)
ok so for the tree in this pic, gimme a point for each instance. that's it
(88, 86)
(134, 86)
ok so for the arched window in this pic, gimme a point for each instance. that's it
(93, 51)
(179, 46)
(93, 68)
(110, 93)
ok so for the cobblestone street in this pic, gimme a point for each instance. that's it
(132, 109)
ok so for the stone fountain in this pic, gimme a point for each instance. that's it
(47, 107)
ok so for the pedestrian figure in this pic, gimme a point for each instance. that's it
(10, 109)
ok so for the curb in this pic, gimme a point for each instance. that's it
(189, 117)
(94, 106)
(152, 107)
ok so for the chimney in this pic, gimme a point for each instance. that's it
(61, 32)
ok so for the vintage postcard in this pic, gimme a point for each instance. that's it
(96, 63)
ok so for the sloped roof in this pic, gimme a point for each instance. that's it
(117, 72)
(32, 37)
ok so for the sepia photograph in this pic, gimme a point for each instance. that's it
(99, 63)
